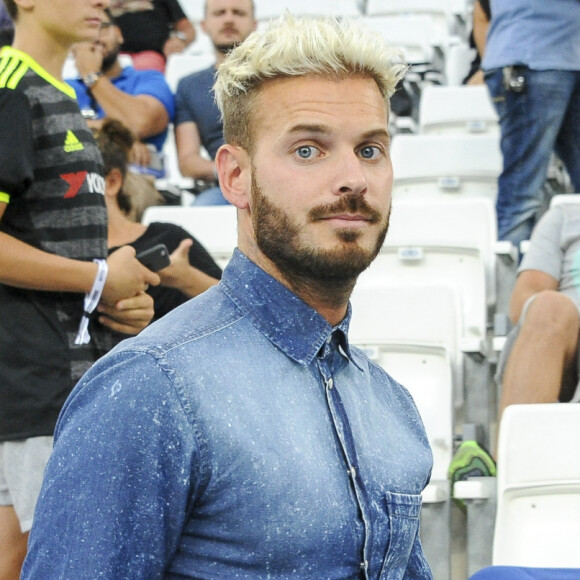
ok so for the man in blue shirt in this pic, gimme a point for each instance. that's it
(197, 119)
(140, 99)
(242, 436)
(532, 69)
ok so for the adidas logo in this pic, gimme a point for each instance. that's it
(71, 143)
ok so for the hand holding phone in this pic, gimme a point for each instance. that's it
(155, 258)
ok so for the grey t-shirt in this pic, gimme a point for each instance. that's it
(555, 248)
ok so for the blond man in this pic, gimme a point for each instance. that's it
(243, 436)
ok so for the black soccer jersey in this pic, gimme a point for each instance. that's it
(51, 178)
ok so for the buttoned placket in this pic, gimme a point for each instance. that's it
(328, 355)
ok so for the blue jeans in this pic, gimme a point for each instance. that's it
(211, 196)
(543, 119)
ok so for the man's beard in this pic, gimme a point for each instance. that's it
(110, 59)
(278, 237)
(226, 48)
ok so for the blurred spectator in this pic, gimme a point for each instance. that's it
(140, 99)
(532, 70)
(143, 193)
(540, 361)
(197, 119)
(192, 269)
(152, 30)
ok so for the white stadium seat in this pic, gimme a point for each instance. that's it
(538, 487)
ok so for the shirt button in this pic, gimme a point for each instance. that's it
(352, 472)
(364, 565)
(330, 384)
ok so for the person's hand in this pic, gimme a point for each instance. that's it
(182, 275)
(127, 276)
(177, 274)
(140, 154)
(88, 57)
(173, 45)
(129, 316)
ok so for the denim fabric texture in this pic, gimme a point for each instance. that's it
(542, 119)
(241, 436)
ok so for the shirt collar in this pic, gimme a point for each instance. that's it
(287, 321)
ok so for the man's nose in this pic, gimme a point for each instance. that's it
(350, 177)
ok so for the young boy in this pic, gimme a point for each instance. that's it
(53, 252)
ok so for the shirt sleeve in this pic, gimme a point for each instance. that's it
(184, 94)
(118, 486)
(154, 84)
(16, 145)
(545, 251)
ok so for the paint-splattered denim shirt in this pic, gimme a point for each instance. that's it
(239, 437)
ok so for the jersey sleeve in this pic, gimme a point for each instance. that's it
(16, 144)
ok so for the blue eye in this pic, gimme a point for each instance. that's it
(305, 152)
(369, 152)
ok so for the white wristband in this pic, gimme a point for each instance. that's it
(91, 301)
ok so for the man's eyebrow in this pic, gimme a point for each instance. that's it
(324, 130)
(309, 128)
(377, 133)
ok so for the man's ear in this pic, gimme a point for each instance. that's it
(234, 171)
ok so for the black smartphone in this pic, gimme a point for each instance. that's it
(155, 258)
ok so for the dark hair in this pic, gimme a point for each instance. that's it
(115, 142)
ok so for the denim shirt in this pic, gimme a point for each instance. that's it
(238, 437)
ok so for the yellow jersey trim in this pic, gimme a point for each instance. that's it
(11, 71)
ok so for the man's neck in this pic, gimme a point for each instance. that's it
(328, 298)
(219, 57)
(330, 301)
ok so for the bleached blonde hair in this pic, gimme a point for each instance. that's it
(292, 47)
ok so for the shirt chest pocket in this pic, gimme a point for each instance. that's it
(403, 511)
